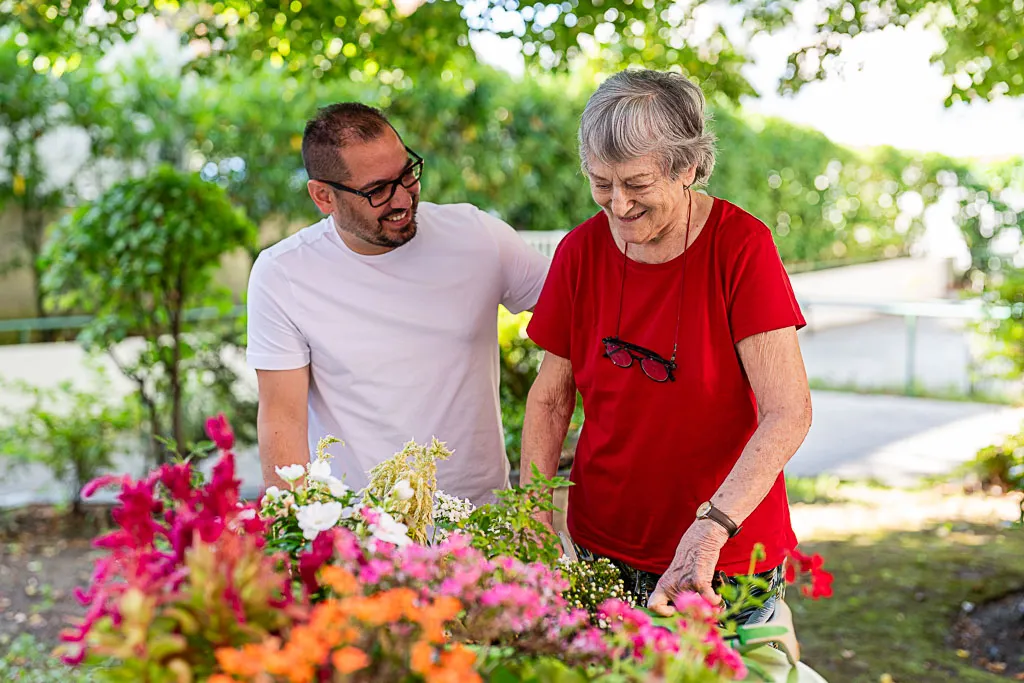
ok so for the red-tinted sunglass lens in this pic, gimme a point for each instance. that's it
(655, 370)
(618, 355)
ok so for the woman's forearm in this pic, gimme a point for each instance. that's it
(773, 443)
(545, 426)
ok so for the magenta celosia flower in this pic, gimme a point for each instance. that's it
(220, 433)
(160, 519)
(311, 560)
(96, 484)
(177, 479)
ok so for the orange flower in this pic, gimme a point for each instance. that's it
(459, 658)
(247, 661)
(422, 657)
(220, 678)
(341, 581)
(433, 617)
(349, 659)
(306, 646)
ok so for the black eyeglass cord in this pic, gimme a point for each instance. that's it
(682, 279)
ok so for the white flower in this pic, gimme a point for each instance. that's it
(271, 494)
(337, 487)
(402, 490)
(320, 470)
(451, 509)
(390, 531)
(317, 517)
(247, 514)
(290, 473)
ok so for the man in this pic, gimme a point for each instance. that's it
(378, 324)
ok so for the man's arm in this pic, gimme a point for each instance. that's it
(523, 268)
(282, 421)
(549, 407)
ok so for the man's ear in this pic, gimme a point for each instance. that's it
(321, 196)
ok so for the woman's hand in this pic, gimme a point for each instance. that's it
(692, 568)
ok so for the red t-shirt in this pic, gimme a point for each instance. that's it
(649, 453)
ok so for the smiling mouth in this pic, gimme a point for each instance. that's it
(630, 219)
(396, 217)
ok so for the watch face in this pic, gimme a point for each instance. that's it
(704, 509)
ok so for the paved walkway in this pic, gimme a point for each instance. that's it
(888, 438)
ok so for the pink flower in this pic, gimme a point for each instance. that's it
(220, 433)
(177, 479)
(98, 483)
(725, 658)
(311, 560)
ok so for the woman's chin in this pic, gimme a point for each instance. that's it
(633, 234)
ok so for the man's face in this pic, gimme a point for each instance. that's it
(364, 228)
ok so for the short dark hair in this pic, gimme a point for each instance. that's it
(333, 128)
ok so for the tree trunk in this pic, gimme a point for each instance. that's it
(32, 226)
(174, 371)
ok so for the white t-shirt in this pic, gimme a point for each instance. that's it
(401, 346)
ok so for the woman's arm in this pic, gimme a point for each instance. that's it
(549, 407)
(776, 372)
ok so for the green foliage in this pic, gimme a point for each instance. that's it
(27, 660)
(983, 49)
(520, 362)
(823, 488)
(510, 527)
(1002, 465)
(31, 106)
(1005, 288)
(73, 432)
(593, 583)
(403, 42)
(137, 258)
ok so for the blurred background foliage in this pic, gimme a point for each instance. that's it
(96, 93)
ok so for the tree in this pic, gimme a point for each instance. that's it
(138, 259)
(33, 104)
(392, 43)
(984, 51)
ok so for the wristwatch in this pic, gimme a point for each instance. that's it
(709, 511)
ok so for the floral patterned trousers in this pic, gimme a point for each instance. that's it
(641, 584)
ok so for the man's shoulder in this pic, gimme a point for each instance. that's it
(296, 246)
(455, 217)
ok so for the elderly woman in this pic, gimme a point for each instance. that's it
(671, 313)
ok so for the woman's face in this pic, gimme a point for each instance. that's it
(642, 203)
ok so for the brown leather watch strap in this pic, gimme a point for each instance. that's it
(709, 511)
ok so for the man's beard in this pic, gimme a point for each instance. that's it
(379, 233)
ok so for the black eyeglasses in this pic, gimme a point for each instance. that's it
(623, 353)
(381, 194)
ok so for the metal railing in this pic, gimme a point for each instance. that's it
(25, 327)
(911, 312)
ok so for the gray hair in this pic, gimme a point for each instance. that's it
(639, 112)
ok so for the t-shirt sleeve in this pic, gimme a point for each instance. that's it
(761, 295)
(523, 268)
(274, 341)
(551, 325)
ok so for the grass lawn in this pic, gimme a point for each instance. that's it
(897, 595)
